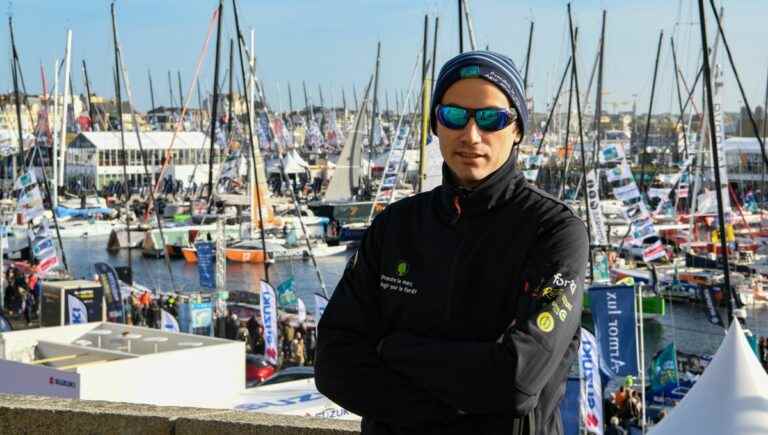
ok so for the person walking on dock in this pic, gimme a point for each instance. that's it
(460, 311)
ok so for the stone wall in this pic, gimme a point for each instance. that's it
(45, 415)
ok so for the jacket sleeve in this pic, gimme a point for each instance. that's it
(509, 374)
(348, 369)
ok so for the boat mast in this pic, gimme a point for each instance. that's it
(91, 112)
(574, 69)
(248, 100)
(290, 98)
(181, 94)
(151, 90)
(461, 27)
(434, 56)
(123, 154)
(566, 157)
(715, 167)
(214, 107)
(676, 155)
(644, 155)
(20, 160)
(170, 89)
(599, 97)
(424, 110)
(528, 58)
(231, 96)
(470, 27)
(374, 112)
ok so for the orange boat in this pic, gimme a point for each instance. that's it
(245, 252)
(189, 254)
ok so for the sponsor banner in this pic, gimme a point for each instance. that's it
(168, 323)
(205, 269)
(664, 195)
(663, 371)
(613, 311)
(24, 181)
(531, 174)
(30, 202)
(268, 305)
(591, 401)
(47, 264)
(599, 237)
(286, 295)
(320, 303)
(78, 313)
(654, 251)
(719, 138)
(613, 153)
(302, 311)
(221, 259)
(710, 308)
(111, 286)
(620, 172)
(627, 194)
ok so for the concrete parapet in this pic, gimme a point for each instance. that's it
(46, 415)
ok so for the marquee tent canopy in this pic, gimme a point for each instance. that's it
(730, 398)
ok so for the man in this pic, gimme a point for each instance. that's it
(460, 311)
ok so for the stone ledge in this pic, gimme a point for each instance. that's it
(34, 414)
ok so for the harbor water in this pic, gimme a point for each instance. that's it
(685, 323)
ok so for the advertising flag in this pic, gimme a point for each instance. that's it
(111, 285)
(268, 307)
(320, 303)
(77, 311)
(591, 387)
(205, 267)
(613, 311)
(710, 309)
(285, 293)
(168, 323)
(302, 310)
(663, 371)
(599, 237)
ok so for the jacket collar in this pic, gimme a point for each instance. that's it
(455, 200)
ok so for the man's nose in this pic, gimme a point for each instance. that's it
(471, 133)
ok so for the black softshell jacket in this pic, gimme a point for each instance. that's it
(459, 314)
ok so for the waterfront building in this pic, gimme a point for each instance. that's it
(93, 158)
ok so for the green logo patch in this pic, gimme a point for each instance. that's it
(402, 269)
(470, 71)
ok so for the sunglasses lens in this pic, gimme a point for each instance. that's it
(453, 117)
(491, 119)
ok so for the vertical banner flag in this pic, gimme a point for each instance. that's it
(302, 311)
(710, 309)
(221, 259)
(320, 303)
(77, 311)
(613, 311)
(111, 285)
(599, 237)
(29, 200)
(663, 371)
(269, 318)
(285, 293)
(168, 323)
(591, 403)
(205, 270)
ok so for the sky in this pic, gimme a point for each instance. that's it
(332, 44)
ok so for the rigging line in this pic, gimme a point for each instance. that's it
(738, 81)
(190, 94)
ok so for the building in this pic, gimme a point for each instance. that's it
(93, 158)
(120, 363)
(745, 163)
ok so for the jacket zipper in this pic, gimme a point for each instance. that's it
(459, 225)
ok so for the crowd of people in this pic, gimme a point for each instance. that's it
(624, 409)
(22, 294)
(296, 341)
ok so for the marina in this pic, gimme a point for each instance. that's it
(129, 228)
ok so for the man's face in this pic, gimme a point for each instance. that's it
(471, 153)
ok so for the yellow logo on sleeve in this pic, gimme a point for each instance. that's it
(545, 322)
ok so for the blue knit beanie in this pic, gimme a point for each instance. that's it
(494, 67)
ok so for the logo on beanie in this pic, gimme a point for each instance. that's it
(469, 71)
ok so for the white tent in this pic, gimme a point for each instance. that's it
(292, 162)
(730, 398)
